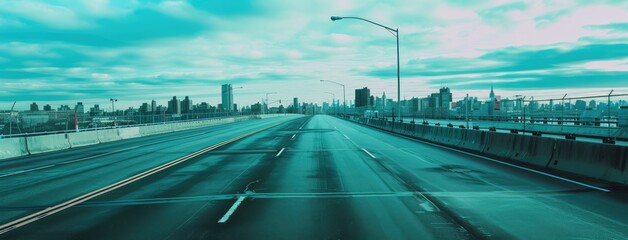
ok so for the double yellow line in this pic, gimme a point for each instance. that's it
(78, 200)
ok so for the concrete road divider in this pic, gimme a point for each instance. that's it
(600, 161)
(533, 150)
(12, 147)
(473, 140)
(47, 143)
(499, 144)
(108, 135)
(130, 132)
(420, 131)
(154, 129)
(83, 138)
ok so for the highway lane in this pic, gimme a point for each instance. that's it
(33, 182)
(324, 178)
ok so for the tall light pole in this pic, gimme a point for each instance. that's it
(394, 32)
(344, 96)
(333, 100)
(266, 104)
(113, 110)
(11, 119)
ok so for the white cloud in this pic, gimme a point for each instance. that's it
(610, 65)
(59, 17)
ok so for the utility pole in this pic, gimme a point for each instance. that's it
(11, 119)
(609, 114)
(466, 109)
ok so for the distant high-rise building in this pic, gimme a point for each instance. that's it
(227, 97)
(145, 108)
(95, 111)
(186, 105)
(174, 106)
(295, 105)
(491, 102)
(153, 106)
(34, 107)
(384, 100)
(580, 105)
(79, 108)
(592, 104)
(47, 107)
(551, 105)
(63, 108)
(492, 94)
(445, 98)
(256, 108)
(362, 97)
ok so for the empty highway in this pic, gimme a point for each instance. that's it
(310, 177)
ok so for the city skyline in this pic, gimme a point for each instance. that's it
(370, 99)
(91, 51)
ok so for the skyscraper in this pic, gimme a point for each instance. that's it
(445, 98)
(34, 107)
(79, 108)
(153, 106)
(186, 105)
(174, 106)
(295, 105)
(362, 97)
(227, 97)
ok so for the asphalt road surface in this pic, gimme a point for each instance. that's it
(313, 177)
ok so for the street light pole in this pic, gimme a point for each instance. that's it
(266, 104)
(609, 114)
(394, 32)
(11, 119)
(113, 110)
(344, 96)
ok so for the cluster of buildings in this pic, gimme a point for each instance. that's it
(45, 118)
(441, 105)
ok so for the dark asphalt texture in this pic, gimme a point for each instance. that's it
(334, 179)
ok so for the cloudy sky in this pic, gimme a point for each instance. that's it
(64, 51)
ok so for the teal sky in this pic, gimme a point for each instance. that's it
(65, 51)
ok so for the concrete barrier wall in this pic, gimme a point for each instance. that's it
(12, 147)
(15, 147)
(473, 140)
(499, 144)
(537, 151)
(47, 143)
(83, 138)
(108, 135)
(154, 129)
(595, 160)
(602, 161)
(131, 132)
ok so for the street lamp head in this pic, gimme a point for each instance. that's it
(335, 18)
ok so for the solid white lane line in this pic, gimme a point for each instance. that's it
(346, 136)
(280, 151)
(428, 206)
(231, 210)
(510, 164)
(367, 152)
